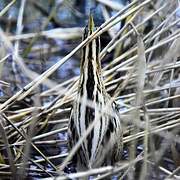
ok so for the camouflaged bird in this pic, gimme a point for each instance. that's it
(103, 145)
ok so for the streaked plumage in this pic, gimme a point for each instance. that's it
(103, 146)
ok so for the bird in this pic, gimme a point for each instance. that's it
(104, 144)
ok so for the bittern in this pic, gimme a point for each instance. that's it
(103, 145)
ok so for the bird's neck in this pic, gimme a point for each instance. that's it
(90, 78)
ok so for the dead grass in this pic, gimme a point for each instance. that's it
(141, 72)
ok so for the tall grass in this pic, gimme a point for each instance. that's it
(141, 73)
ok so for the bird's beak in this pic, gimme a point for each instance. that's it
(91, 23)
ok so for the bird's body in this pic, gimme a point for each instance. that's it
(103, 145)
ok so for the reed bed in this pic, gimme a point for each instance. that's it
(141, 66)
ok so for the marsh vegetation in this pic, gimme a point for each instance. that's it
(40, 51)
